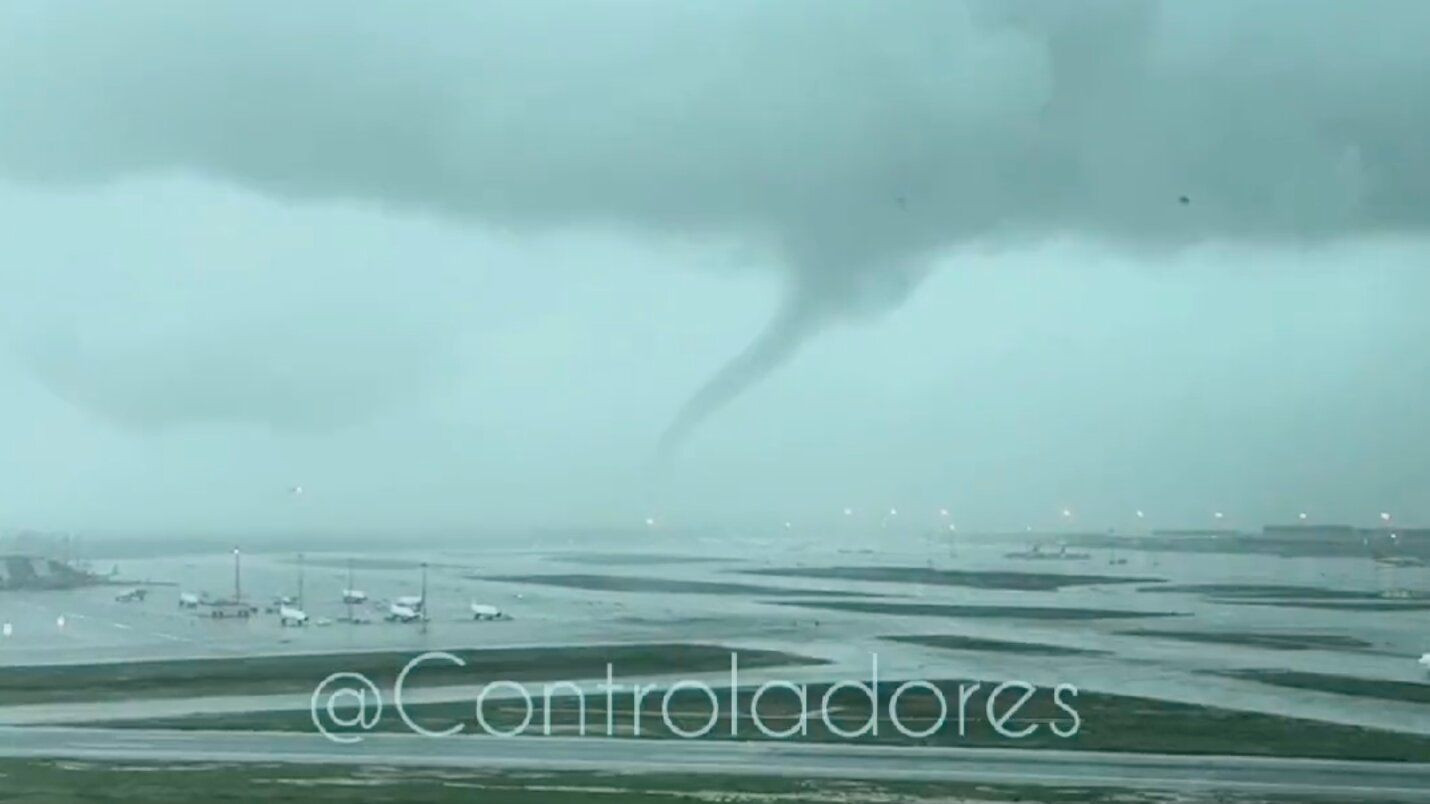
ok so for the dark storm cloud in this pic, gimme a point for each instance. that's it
(853, 139)
(283, 374)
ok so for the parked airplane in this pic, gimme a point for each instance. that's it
(188, 600)
(413, 602)
(291, 615)
(399, 613)
(132, 596)
(482, 611)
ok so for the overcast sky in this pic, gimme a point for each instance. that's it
(495, 265)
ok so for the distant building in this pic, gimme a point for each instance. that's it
(1402, 537)
(1196, 533)
(1380, 542)
(1317, 532)
(1347, 533)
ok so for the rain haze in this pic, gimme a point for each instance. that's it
(514, 265)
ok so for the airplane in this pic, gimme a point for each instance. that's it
(188, 600)
(354, 596)
(1425, 661)
(290, 615)
(399, 613)
(132, 596)
(482, 611)
(413, 602)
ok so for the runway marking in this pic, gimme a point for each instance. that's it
(116, 744)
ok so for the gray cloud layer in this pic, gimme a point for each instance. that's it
(853, 140)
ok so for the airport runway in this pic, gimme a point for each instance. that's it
(1332, 780)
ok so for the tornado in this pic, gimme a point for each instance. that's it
(797, 319)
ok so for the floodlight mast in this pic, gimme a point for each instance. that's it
(425, 609)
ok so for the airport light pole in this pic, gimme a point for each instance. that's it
(426, 610)
(1394, 537)
(237, 583)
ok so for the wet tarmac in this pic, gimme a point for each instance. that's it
(87, 625)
